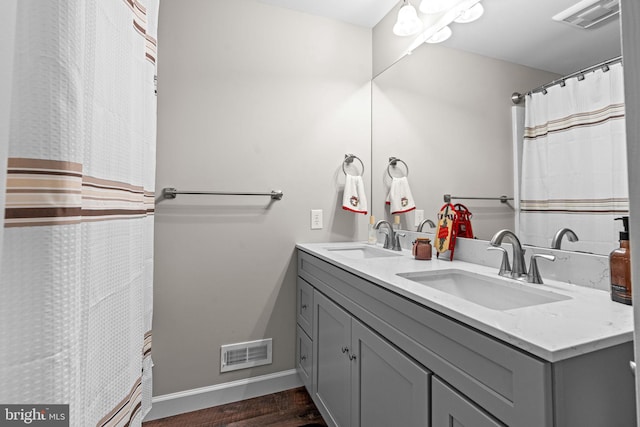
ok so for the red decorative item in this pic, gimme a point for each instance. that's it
(463, 223)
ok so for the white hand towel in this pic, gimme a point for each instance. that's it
(354, 199)
(400, 197)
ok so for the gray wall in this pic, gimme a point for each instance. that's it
(251, 98)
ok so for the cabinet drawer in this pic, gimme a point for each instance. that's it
(304, 354)
(510, 384)
(449, 408)
(304, 306)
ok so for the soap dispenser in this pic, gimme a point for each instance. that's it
(620, 267)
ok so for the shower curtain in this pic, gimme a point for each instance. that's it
(77, 245)
(574, 165)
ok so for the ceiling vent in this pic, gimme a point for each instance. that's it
(588, 13)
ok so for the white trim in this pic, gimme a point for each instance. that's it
(206, 397)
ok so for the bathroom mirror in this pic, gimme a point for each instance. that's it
(446, 110)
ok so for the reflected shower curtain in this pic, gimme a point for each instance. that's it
(77, 258)
(574, 164)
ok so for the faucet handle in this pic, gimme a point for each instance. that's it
(505, 267)
(396, 241)
(533, 276)
(387, 242)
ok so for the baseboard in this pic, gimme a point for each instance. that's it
(206, 397)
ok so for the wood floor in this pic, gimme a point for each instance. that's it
(290, 408)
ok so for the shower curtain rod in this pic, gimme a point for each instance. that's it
(517, 97)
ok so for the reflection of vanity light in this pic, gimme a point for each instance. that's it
(436, 6)
(408, 22)
(442, 35)
(470, 15)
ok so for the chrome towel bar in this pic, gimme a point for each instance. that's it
(171, 193)
(503, 199)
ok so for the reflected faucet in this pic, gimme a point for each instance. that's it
(423, 222)
(519, 267)
(391, 238)
(557, 239)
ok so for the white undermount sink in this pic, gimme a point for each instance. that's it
(494, 293)
(363, 252)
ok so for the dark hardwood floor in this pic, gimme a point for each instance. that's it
(290, 408)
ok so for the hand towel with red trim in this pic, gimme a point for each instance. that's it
(355, 198)
(400, 197)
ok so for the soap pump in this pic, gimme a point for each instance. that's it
(620, 267)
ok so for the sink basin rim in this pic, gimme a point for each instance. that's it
(495, 293)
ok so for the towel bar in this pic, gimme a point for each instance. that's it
(503, 199)
(170, 193)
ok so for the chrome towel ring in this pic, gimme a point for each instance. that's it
(348, 159)
(393, 161)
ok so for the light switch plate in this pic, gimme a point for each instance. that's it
(316, 219)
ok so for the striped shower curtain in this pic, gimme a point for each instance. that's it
(77, 244)
(574, 164)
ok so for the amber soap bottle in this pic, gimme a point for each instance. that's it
(620, 267)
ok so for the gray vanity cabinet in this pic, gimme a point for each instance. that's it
(359, 378)
(450, 408)
(376, 353)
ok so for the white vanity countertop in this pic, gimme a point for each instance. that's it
(586, 322)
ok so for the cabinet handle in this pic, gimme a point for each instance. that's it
(352, 357)
(304, 306)
(303, 358)
(345, 350)
(632, 365)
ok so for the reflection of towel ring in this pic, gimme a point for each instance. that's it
(348, 159)
(392, 162)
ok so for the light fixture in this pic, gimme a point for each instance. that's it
(470, 15)
(443, 34)
(436, 6)
(408, 22)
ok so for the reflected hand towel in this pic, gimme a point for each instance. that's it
(400, 197)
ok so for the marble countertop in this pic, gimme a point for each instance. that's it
(585, 322)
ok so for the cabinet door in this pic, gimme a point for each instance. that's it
(391, 389)
(304, 360)
(332, 370)
(304, 306)
(451, 409)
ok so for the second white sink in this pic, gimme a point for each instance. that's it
(362, 252)
(493, 293)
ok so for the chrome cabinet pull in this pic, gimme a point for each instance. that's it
(632, 365)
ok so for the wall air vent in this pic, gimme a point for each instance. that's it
(245, 355)
(589, 13)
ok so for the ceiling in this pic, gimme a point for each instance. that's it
(519, 31)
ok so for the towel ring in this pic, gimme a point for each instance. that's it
(348, 159)
(392, 162)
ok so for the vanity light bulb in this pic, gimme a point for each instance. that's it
(470, 15)
(408, 22)
(442, 35)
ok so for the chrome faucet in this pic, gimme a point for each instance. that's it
(391, 238)
(425, 221)
(519, 267)
(557, 239)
